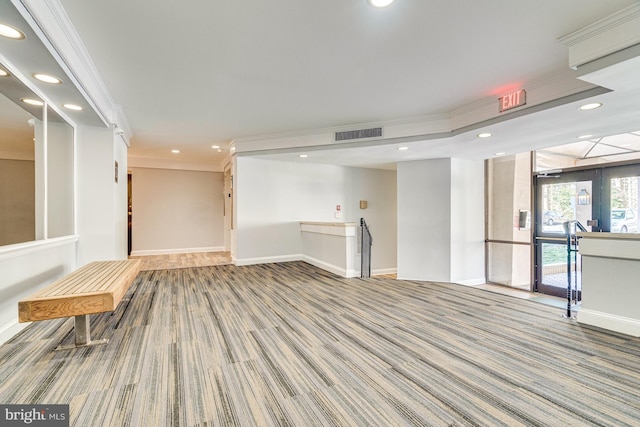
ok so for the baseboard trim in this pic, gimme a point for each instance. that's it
(612, 322)
(178, 251)
(472, 282)
(266, 260)
(342, 272)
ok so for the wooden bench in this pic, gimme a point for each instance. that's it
(98, 287)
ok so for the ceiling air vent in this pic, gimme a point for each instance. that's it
(358, 134)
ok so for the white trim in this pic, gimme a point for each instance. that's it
(604, 37)
(342, 272)
(601, 26)
(266, 260)
(330, 131)
(45, 171)
(346, 229)
(10, 329)
(625, 325)
(155, 163)
(472, 282)
(22, 249)
(178, 251)
(309, 260)
(71, 54)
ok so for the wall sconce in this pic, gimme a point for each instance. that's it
(584, 198)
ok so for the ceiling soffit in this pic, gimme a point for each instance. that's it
(606, 55)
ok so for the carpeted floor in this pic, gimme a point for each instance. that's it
(291, 345)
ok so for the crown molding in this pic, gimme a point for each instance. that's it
(601, 26)
(332, 130)
(541, 92)
(52, 19)
(615, 32)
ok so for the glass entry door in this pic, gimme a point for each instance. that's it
(621, 190)
(562, 197)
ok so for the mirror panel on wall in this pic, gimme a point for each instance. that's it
(36, 168)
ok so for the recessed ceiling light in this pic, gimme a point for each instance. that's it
(4, 73)
(484, 135)
(73, 107)
(380, 3)
(219, 150)
(591, 106)
(11, 32)
(30, 101)
(501, 153)
(585, 136)
(303, 156)
(175, 151)
(47, 78)
(403, 148)
(215, 146)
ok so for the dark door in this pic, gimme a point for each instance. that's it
(560, 198)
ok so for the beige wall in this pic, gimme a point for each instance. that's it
(176, 211)
(509, 192)
(17, 201)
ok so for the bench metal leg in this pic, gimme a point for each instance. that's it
(82, 328)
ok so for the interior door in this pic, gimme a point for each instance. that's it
(559, 198)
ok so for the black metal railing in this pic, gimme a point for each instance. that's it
(365, 249)
(574, 266)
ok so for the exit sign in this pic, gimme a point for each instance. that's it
(512, 100)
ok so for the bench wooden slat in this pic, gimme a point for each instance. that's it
(97, 287)
(96, 276)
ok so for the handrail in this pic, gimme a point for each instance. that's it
(365, 249)
(572, 247)
(363, 224)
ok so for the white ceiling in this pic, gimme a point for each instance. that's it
(192, 74)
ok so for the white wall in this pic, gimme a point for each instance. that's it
(101, 222)
(467, 221)
(441, 220)
(120, 201)
(424, 220)
(26, 269)
(272, 197)
(176, 211)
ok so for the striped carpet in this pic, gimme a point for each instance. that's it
(291, 345)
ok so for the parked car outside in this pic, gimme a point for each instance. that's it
(624, 221)
(552, 218)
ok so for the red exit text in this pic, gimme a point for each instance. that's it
(512, 100)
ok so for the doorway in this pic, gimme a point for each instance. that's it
(559, 199)
(228, 208)
(603, 199)
(129, 214)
